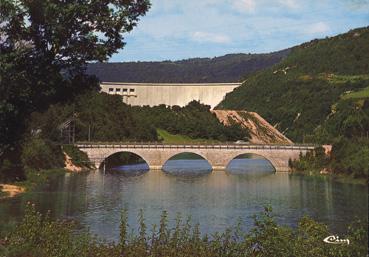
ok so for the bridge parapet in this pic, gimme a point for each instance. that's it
(198, 146)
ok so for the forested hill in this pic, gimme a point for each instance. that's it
(228, 68)
(301, 93)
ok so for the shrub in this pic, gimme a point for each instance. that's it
(40, 154)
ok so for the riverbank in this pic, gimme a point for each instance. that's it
(34, 180)
(7, 190)
(341, 178)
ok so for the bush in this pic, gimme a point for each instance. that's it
(11, 168)
(312, 161)
(40, 154)
(79, 158)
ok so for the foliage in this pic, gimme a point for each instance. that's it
(41, 154)
(317, 94)
(37, 153)
(228, 68)
(39, 236)
(350, 119)
(79, 158)
(194, 120)
(352, 157)
(105, 118)
(98, 117)
(67, 33)
(45, 46)
(348, 129)
(11, 168)
(298, 94)
(37, 178)
(110, 120)
(312, 161)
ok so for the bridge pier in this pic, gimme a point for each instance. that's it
(156, 167)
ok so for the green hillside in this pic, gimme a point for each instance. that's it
(227, 68)
(301, 93)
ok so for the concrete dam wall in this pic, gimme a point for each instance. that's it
(154, 94)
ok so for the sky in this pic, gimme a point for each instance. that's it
(181, 29)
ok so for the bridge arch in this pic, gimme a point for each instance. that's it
(189, 167)
(109, 155)
(238, 166)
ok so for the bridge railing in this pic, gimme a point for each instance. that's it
(159, 145)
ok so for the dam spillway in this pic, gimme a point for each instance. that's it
(153, 94)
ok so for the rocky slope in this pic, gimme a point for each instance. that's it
(261, 132)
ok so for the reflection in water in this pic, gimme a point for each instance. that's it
(216, 201)
(125, 164)
(130, 169)
(187, 164)
(187, 167)
(250, 164)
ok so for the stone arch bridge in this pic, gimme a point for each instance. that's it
(218, 155)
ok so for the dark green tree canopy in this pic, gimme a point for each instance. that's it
(44, 48)
(69, 33)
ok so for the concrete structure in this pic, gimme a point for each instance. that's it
(154, 94)
(218, 156)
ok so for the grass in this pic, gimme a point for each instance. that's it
(364, 93)
(342, 79)
(169, 138)
(3, 194)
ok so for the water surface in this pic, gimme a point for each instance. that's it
(216, 200)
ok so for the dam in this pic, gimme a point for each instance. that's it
(153, 94)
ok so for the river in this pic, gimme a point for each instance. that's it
(214, 199)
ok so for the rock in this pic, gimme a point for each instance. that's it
(69, 165)
(324, 171)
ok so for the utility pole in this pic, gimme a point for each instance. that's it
(74, 131)
(89, 132)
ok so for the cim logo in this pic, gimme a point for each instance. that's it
(336, 240)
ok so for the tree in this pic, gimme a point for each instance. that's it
(45, 45)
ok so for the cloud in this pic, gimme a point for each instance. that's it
(178, 29)
(244, 5)
(317, 28)
(201, 37)
(292, 4)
